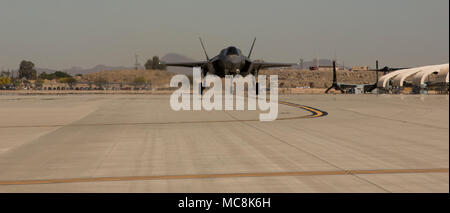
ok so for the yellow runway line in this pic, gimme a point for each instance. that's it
(231, 175)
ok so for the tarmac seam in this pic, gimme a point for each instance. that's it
(229, 175)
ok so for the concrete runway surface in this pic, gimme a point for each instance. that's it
(136, 143)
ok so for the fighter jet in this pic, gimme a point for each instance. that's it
(230, 61)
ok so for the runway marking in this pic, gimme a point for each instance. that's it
(231, 175)
(316, 113)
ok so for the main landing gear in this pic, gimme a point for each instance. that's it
(202, 88)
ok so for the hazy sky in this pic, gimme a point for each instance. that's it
(59, 34)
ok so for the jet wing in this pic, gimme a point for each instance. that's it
(262, 65)
(187, 64)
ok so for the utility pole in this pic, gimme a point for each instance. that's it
(376, 65)
(136, 63)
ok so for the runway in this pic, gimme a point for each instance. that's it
(136, 143)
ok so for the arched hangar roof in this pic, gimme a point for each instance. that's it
(382, 82)
(400, 78)
(419, 78)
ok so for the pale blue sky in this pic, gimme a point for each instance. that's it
(59, 34)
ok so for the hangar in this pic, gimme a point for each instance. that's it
(399, 79)
(421, 80)
(384, 80)
(440, 84)
(442, 76)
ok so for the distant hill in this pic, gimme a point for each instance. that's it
(171, 57)
(79, 70)
(41, 70)
(98, 68)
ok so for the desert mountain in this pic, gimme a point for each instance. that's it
(79, 70)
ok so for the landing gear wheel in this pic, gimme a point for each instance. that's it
(257, 83)
(201, 88)
(257, 88)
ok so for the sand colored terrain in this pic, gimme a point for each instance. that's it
(289, 81)
(157, 78)
(287, 78)
(319, 79)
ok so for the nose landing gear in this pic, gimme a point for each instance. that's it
(257, 83)
(202, 88)
(257, 88)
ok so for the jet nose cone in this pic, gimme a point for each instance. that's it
(235, 60)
